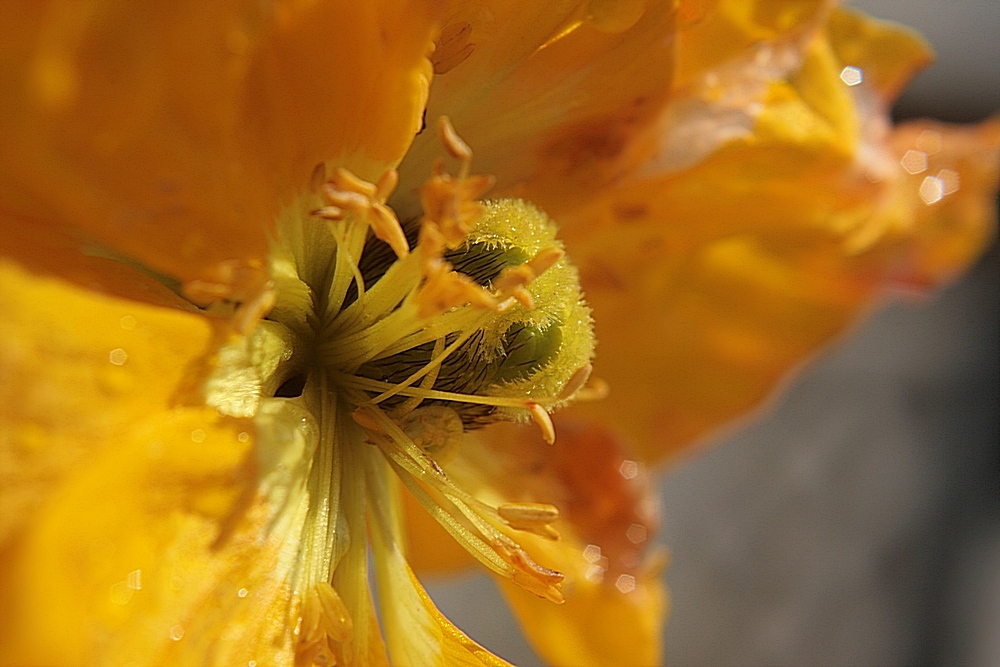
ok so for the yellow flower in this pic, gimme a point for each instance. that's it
(185, 483)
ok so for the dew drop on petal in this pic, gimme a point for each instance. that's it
(629, 469)
(177, 632)
(951, 180)
(625, 583)
(242, 593)
(914, 162)
(932, 190)
(636, 533)
(852, 76)
(930, 142)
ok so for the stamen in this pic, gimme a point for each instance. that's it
(544, 422)
(444, 289)
(576, 382)
(245, 283)
(348, 194)
(532, 517)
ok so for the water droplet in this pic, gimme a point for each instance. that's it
(198, 435)
(932, 190)
(914, 162)
(852, 76)
(951, 179)
(930, 142)
(636, 533)
(625, 583)
(127, 322)
(177, 632)
(629, 469)
(243, 436)
(242, 593)
(118, 356)
(592, 553)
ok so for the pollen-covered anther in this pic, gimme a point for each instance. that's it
(543, 421)
(245, 283)
(535, 518)
(450, 203)
(346, 194)
(513, 281)
(324, 627)
(444, 289)
(576, 382)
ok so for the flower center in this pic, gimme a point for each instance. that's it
(402, 336)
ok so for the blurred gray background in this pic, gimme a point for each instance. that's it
(859, 522)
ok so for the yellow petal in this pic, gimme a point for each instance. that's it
(129, 529)
(887, 54)
(614, 604)
(416, 632)
(732, 27)
(346, 82)
(769, 218)
(173, 133)
(598, 625)
(120, 130)
(75, 370)
(545, 89)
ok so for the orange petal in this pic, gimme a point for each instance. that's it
(125, 134)
(770, 217)
(346, 82)
(546, 89)
(887, 54)
(172, 134)
(730, 28)
(600, 624)
(614, 604)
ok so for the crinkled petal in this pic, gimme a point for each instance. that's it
(547, 89)
(732, 27)
(775, 209)
(172, 133)
(131, 531)
(614, 603)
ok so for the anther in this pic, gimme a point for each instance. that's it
(531, 517)
(576, 382)
(452, 142)
(513, 280)
(544, 422)
(444, 289)
(346, 193)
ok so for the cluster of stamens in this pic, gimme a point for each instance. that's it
(406, 352)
